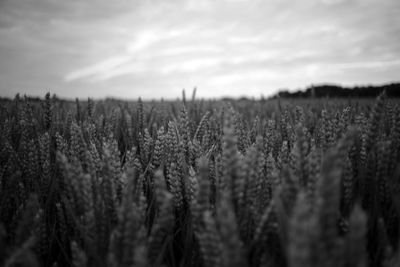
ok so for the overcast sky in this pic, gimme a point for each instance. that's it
(155, 48)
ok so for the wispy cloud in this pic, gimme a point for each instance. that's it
(98, 69)
(367, 65)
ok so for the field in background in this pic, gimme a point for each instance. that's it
(302, 182)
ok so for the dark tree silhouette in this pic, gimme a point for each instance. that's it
(392, 90)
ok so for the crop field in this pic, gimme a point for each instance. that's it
(202, 183)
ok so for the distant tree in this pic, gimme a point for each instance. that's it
(321, 91)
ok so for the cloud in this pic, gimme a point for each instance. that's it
(334, 2)
(98, 69)
(224, 47)
(143, 40)
(192, 65)
(366, 65)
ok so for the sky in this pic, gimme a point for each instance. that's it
(155, 48)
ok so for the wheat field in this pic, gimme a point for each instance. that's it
(297, 183)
